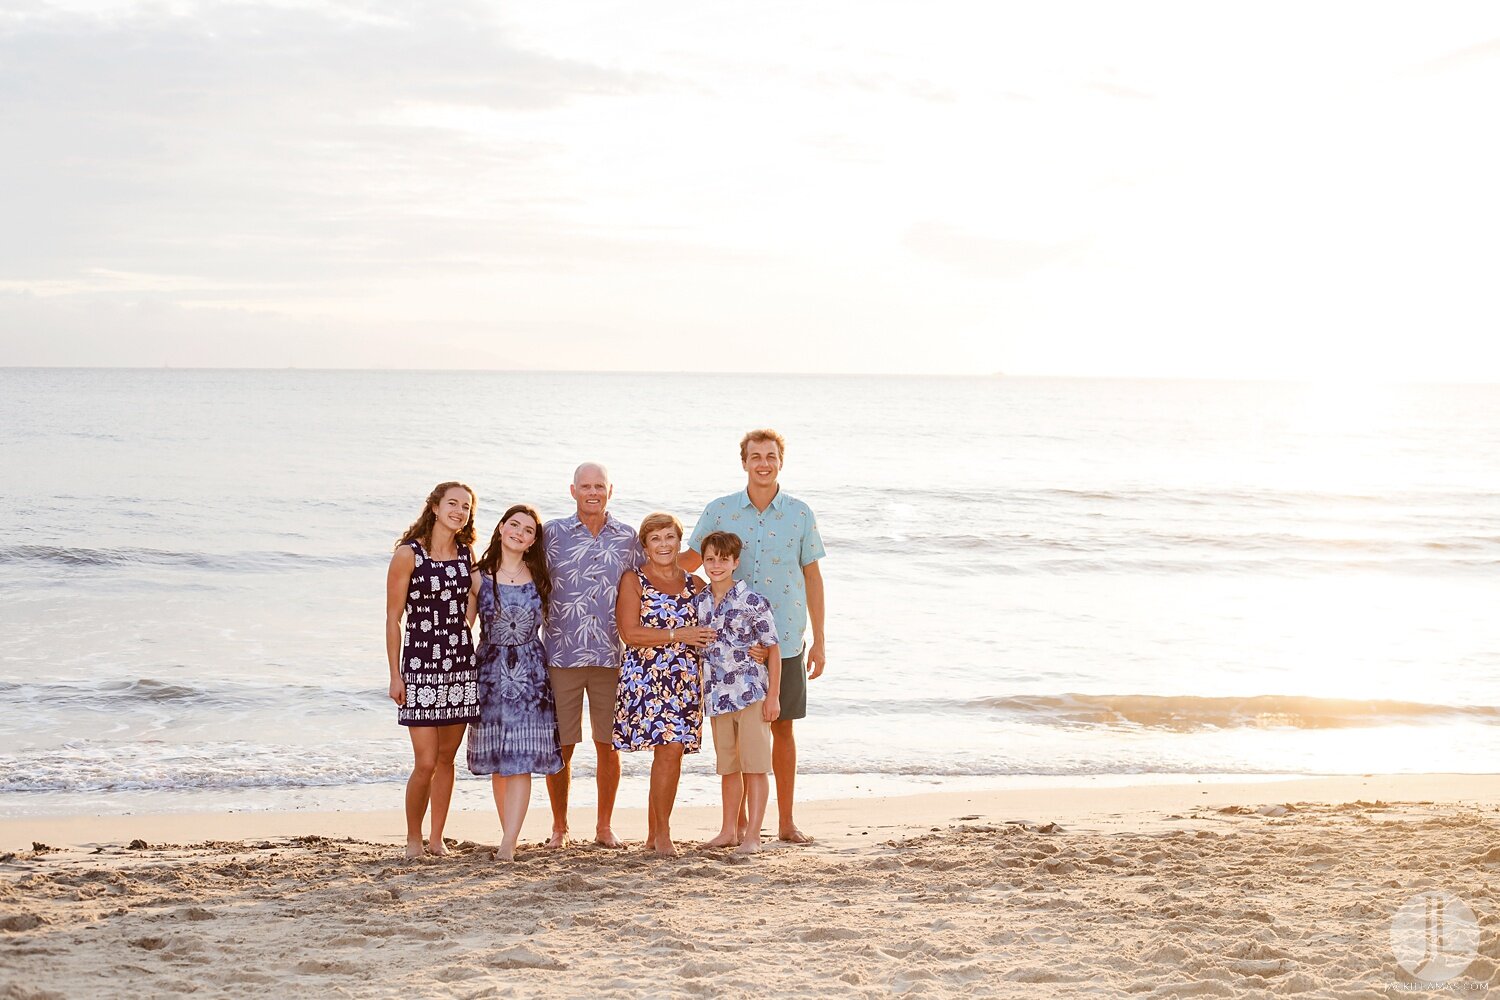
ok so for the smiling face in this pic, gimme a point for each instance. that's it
(591, 490)
(662, 546)
(455, 509)
(762, 462)
(719, 566)
(518, 533)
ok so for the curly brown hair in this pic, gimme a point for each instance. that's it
(535, 557)
(421, 528)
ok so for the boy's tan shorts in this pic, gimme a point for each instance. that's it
(742, 741)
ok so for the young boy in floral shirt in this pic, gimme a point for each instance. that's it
(741, 696)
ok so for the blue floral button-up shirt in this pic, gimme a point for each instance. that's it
(778, 542)
(585, 571)
(742, 619)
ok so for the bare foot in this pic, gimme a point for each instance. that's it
(723, 840)
(437, 849)
(664, 846)
(605, 837)
(559, 839)
(414, 849)
(792, 835)
(750, 846)
(504, 853)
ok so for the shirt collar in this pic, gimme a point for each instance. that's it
(575, 523)
(775, 501)
(735, 591)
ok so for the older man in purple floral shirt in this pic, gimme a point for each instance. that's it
(586, 553)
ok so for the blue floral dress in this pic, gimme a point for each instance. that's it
(660, 697)
(437, 650)
(517, 728)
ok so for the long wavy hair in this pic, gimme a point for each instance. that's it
(421, 528)
(535, 557)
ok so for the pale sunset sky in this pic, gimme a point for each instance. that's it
(1266, 190)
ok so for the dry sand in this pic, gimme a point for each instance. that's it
(1197, 890)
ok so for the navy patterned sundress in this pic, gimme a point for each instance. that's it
(517, 728)
(660, 696)
(437, 651)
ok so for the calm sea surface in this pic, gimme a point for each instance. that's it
(1027, 578)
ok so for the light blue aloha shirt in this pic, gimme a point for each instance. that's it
(741, 620)
(585, 571)
(778, 543)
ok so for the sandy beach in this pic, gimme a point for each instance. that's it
(1202, 889)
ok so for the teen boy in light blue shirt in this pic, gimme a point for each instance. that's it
(782, 547)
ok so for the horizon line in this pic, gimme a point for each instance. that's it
(997, 376)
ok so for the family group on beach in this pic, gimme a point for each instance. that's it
(584, 607)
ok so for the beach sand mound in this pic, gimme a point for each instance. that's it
(1279, 902)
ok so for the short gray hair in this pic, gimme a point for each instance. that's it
(578, 472)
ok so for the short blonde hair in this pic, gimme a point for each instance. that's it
(763, 434)
(657, 521)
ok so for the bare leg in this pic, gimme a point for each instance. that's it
(607, 775)
(733, 790)
(757, 791)
(666, 768)
(512, 796)
(424, 748)
(784, 763)
(557, 795)
(449, 739)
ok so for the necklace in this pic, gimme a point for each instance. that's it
(506, 576)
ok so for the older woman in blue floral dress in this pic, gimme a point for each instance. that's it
(660, 701)
(516, 735)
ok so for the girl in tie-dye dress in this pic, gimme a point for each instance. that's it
(516, 735)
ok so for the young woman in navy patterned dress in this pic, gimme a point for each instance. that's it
(660, 700)
(516, 735)
(429, 607)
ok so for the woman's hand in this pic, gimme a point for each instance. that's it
(760, 654)
(398, 691)
(696, 635)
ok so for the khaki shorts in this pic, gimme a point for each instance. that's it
(742, 741)
(568, 686)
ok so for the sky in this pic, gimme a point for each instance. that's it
(1266, 190)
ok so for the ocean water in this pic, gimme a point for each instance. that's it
(1028, 579)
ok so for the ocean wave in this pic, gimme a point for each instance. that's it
(123, 696)
(152, 766)
(149, 766)
(1228, 497)
(1187, 713)
(134, 557)
(1128, 546)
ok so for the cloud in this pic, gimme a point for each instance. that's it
(1485, 53)
(986, 255)
(263, 143)
(1116, 90)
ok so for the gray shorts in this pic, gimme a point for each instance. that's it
(793, 689)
